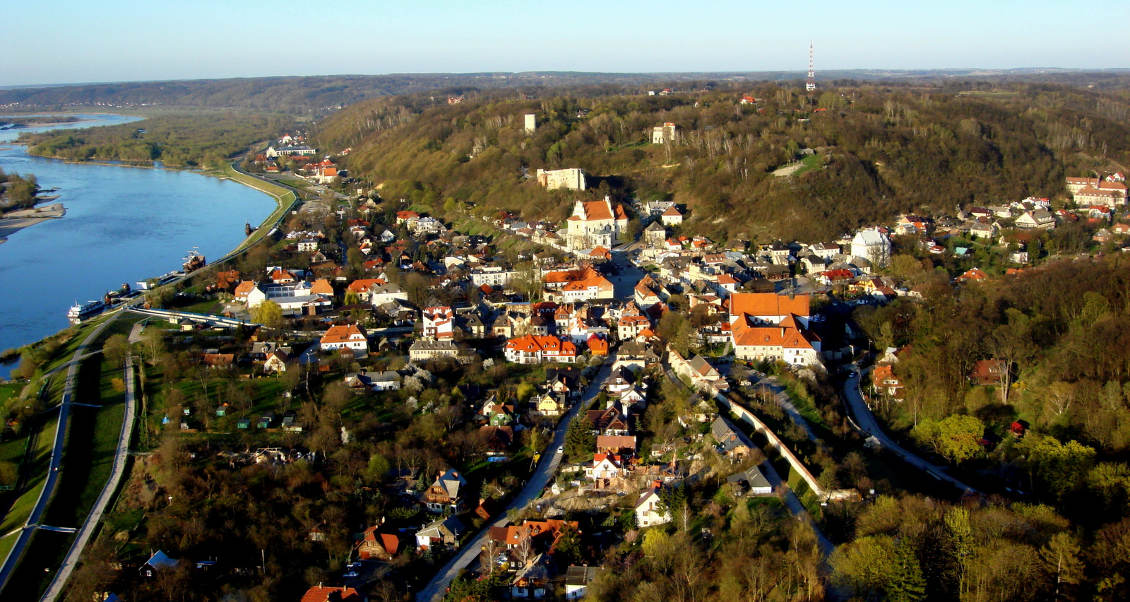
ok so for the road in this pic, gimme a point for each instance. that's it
(54, 467)
(108, 491)
(544, 472)
(866, 422)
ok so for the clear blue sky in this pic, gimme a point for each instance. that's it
(116, 40)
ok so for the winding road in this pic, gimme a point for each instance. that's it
(867, 424)
(545, 471)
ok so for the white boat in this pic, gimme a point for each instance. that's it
(77, 313)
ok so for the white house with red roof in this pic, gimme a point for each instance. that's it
(347, 336)
(438, 322)
(768, 326)
(595, 223)
(535, 349)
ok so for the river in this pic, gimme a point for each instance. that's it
(123, 224)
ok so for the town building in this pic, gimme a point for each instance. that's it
(873, 245)
(347, 336)
(553, 179)
(595, 223)
(663, 134)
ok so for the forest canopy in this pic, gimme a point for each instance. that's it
(876, 151)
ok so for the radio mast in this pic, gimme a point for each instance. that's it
(810, 85)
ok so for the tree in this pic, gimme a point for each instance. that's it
(115, 348)
(269, 314)
(908, 583)
(956, 437)
(1062, 560)
(579, 440)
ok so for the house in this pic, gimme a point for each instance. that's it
(616, 445)
(159, 561)
(380, 546)
(423, 350)
(385, 380)
(671, 217)
(1038, 219)
(577, 580)
(604, 467)
(730, 442)
(532, 579)
(549, 404)
(381, 294)
(535, 349)
(586, 285)
(873, 245)
(275, 362)
(654, 235)
(699, 371)
(884, 380)
(663, 134)
(649, 509)
(444, 533)
(750, 482)
(988, 372)
(595, 223)
(972, 275)
(552, 179)
(320, 593)
(347, 336)
(598, 345)
(438, 323)
(444, 493)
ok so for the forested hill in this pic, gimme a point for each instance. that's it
(879, 150)
(316, 94)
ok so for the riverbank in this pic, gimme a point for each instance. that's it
(14, 221)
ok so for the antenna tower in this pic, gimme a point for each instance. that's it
(810, 85)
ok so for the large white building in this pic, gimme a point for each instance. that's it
(571, 179)
(768, 326)
(873, 245)
(595, 223)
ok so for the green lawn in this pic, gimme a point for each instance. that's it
(20, 503)
(809, 163)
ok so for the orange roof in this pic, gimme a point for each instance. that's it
(591, 278)
(321, 286)
(278, 274)
(563, 276)
(672, 212)
(768, 304)
(596, 210)
(597, 345)
(342, 334)
(244, 288)
(362, 285)
(319, 593)
(768, 336)
(534, 343)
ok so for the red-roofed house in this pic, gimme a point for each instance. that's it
(382, 546)
(535, 349)
(438, 322)
(320, 593)
(348, 336)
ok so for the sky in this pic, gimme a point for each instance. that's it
(64, 41)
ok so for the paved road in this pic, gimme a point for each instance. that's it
(545, 471)
(108, 491)
(867, 423)
(54, 467)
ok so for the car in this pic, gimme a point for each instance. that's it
(561, 449)
(350, 575)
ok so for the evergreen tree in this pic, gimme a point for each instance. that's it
(908, 584)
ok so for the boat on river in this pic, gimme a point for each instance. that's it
(79, 312)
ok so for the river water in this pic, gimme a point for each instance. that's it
(123, 224)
